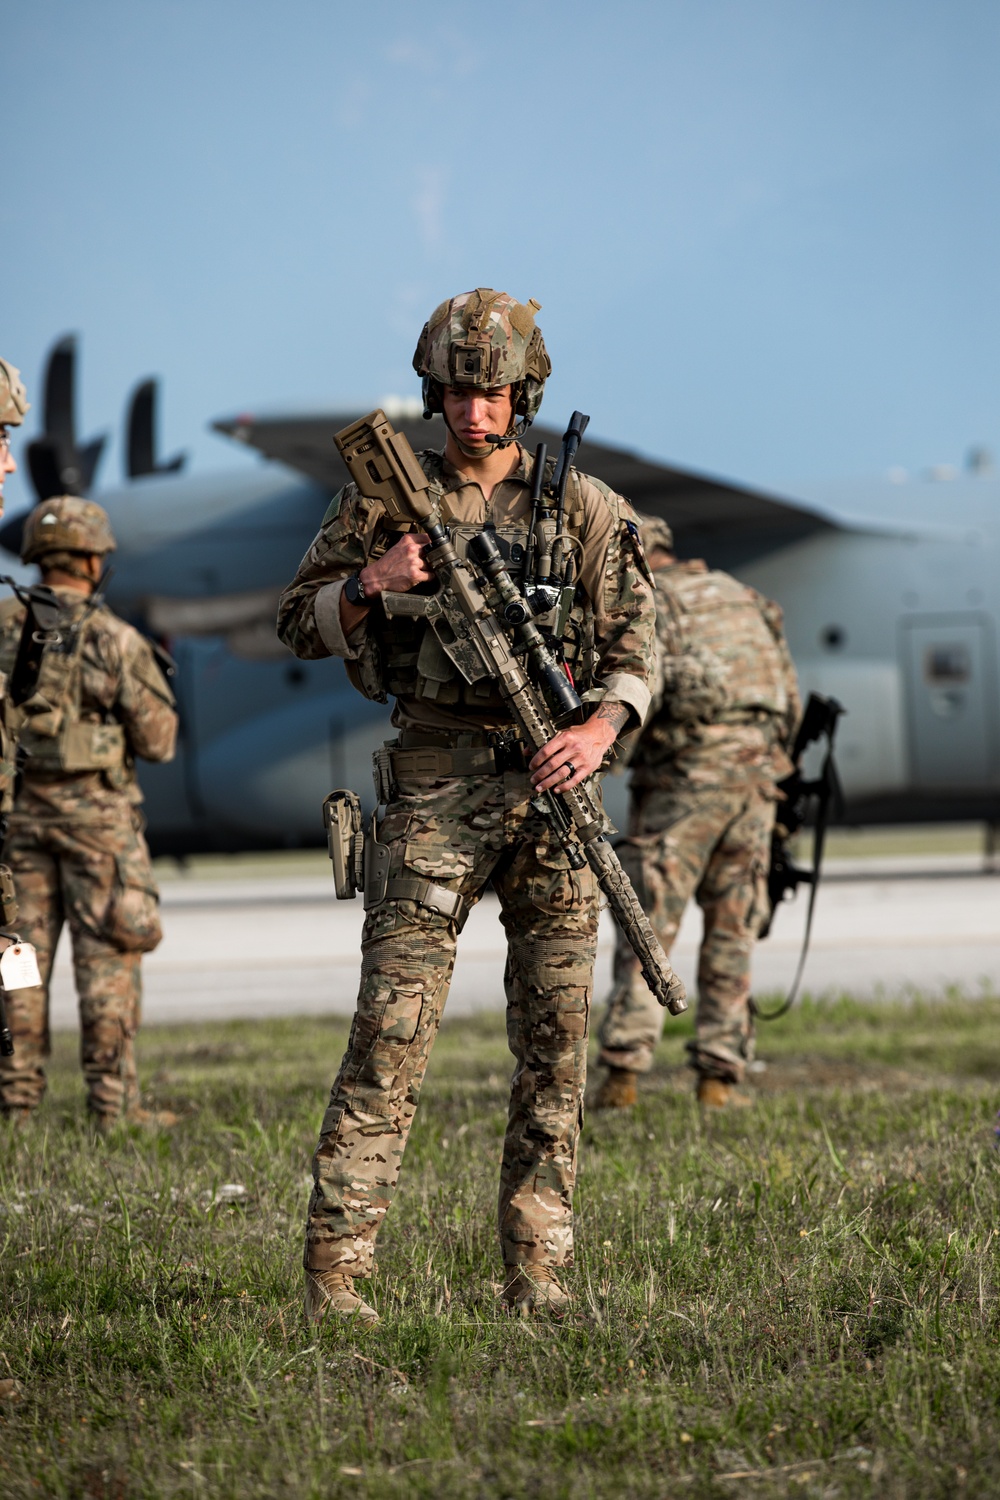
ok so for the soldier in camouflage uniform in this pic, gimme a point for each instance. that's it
(14, 406)
(702, 809)
(456, 784)
(76, 841)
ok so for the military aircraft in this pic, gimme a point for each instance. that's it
(891, 594)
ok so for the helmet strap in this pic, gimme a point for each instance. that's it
(465, 448)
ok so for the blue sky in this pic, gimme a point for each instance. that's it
(765, 234)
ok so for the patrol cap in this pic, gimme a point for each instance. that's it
(483, 339)
(655, 532)
(14, 401)
(66, 524)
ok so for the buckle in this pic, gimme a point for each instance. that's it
(508, 750)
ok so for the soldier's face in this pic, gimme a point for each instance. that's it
(7, 464)
(471, 414)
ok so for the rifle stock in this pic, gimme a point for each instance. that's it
(384, 466)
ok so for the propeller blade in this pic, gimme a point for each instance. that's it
(45, 469)
(140, 443)
(58, 466)
(60, 393)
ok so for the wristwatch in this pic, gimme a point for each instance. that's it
(354, 590)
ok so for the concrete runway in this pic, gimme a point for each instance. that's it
(285, 946)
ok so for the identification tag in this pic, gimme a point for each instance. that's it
(19, 967)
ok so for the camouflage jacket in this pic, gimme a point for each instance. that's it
(101, 700)
(614, 598)
(725, 694)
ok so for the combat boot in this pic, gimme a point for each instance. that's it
(16, 1115)
(145, 1119)
(718, 1093)
(534, 1288)
(618, 1091)
(331, 1293)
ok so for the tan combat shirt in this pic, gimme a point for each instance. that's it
(612, 574)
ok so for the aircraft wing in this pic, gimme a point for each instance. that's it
(723, 522)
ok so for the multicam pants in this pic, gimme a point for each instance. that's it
(460, 832)
(87, 875)
(714, 844)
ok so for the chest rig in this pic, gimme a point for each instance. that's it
(406, 652)
(59, 734)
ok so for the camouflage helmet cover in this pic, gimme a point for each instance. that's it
(66, 524)
(484, 339)
(14, 401)
(655, 532)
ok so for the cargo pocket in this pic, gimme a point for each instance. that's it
(554, 887)
(386, 1024)
(132, 920)
(439, 862)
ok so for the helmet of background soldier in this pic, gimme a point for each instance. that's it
(14, 401)
(66, 524)
(484, 340)
(654, 533)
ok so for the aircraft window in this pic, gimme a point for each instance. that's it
(295, 676)
(834, 636)
(947, 664)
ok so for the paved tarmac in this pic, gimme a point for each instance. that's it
(272, 945)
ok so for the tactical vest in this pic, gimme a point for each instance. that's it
(402, 657)
(715, 614)
(56, 735)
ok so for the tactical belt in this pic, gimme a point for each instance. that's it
(449, 903)
(460, 762)
(420, 752)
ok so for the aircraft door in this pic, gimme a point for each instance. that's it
(950, 668)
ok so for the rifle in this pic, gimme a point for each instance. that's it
(474, 633)
(784, 877)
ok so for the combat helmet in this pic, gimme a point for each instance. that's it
(484, 339)
(655, 532)
(14, 401)
(66, 524)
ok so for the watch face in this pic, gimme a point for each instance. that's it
(353, 592)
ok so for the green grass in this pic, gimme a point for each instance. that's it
(800, 1299)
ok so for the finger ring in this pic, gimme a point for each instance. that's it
(571, 769)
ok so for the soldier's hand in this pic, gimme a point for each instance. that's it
(400, 569)
(576, 753)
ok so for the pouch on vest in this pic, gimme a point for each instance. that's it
(91, 747)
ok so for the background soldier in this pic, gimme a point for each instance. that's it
(457, 788)
(14, 404)
(702, 809)
(76, 844)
